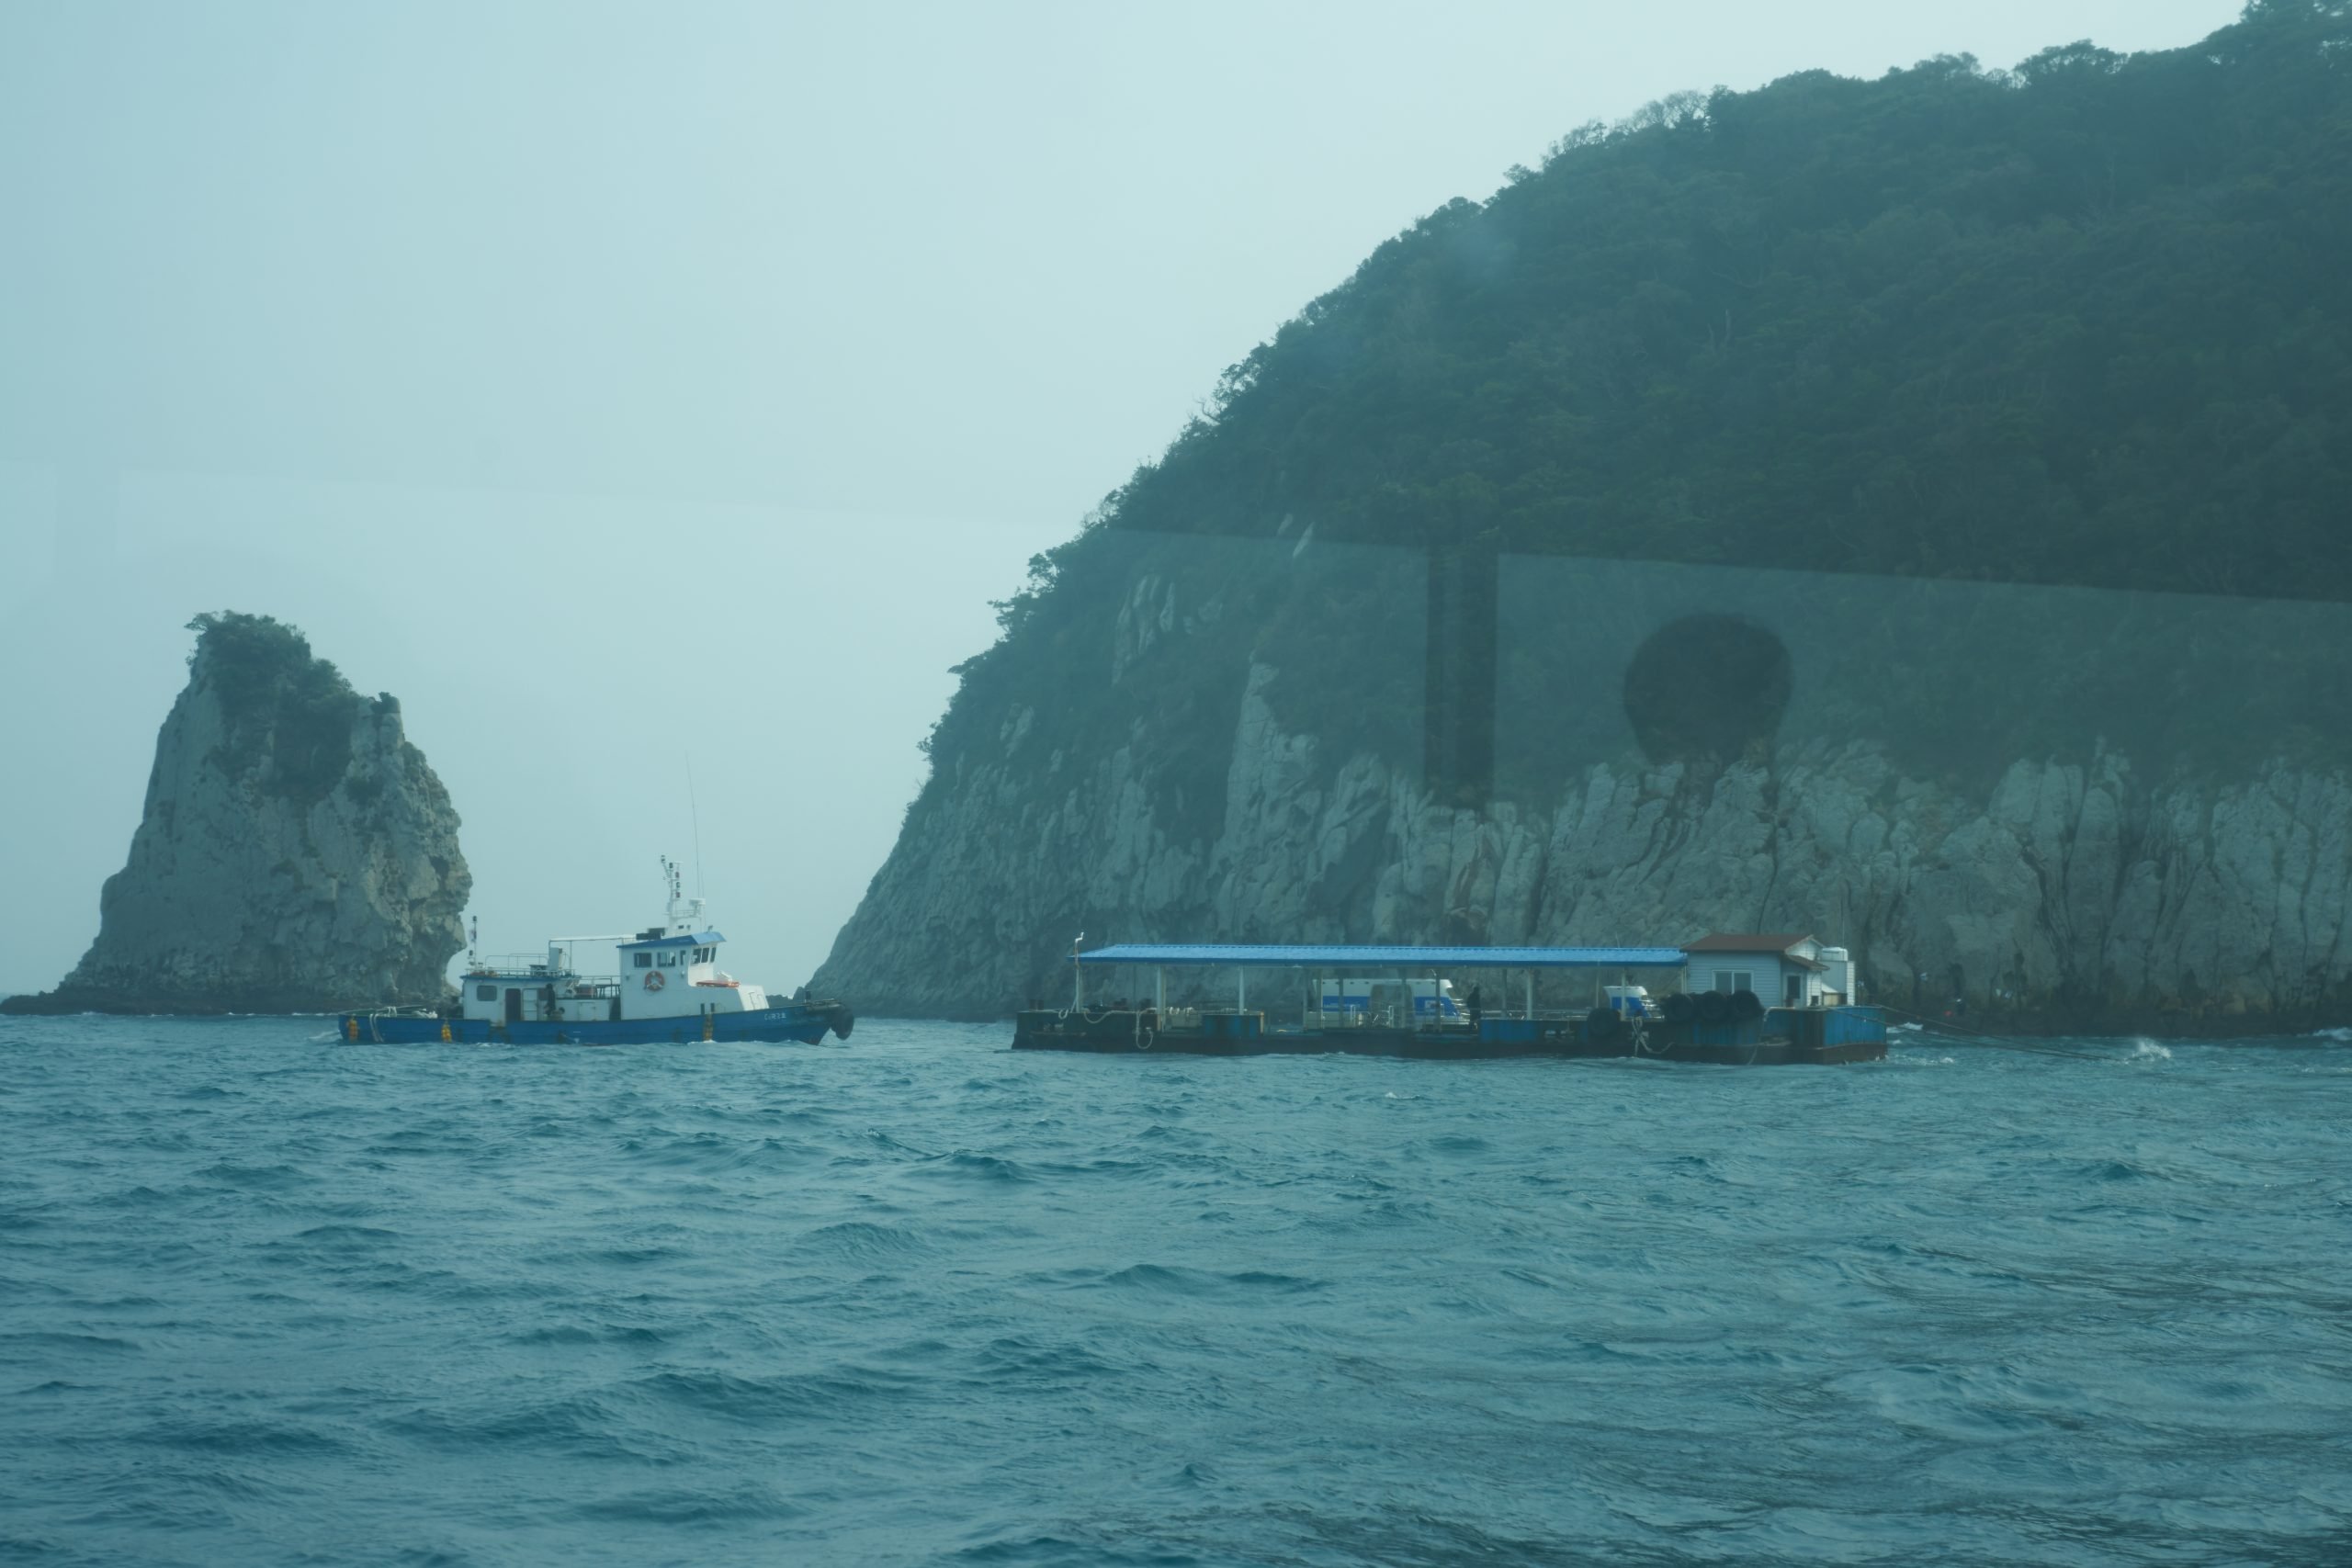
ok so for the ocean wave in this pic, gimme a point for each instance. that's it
(51, 1339)
(1024, 1360)
(1166, 1280)
(742, 1398)
(685, 1506)
(863, 1242)
(966, 1165)
(279, 1439)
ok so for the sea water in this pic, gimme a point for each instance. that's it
(270, 1299)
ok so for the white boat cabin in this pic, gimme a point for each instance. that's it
(666, 971)
(674, 973)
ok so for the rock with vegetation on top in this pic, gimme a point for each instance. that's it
(297, 853)
(1891, 494)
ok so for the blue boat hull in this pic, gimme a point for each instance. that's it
(804, 1025)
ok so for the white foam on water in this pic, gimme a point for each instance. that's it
(2340, 1034)
(2145, 1050)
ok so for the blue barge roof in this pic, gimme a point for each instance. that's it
(1336, 957)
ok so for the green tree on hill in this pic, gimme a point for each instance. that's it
(2086, 322)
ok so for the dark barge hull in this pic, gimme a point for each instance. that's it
(1783, 1037)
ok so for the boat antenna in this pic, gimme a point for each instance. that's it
(695, 811)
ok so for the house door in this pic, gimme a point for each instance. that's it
(513, 1005)
(1793, 989)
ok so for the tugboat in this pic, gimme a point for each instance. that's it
(1403, 1002)
(670, 990)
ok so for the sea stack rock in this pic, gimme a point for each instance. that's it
(297, 853)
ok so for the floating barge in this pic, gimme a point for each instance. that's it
(1404, 1001)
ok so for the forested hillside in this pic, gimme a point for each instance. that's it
(2083, 325)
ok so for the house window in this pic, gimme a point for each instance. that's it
(1729, 980)
(485, 993)
(645, 960)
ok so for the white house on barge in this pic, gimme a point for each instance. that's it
(1784, 968)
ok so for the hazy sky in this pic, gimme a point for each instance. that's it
(531, 357)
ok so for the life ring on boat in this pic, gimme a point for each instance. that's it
(655, 979)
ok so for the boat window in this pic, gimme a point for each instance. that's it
(645, 960)
(485, 993)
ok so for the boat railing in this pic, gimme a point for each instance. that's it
(1397, 1018)
(515, 966)
(519, 969)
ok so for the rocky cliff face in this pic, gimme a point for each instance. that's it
(1812, 508)
(295, 854)
(2108, 891)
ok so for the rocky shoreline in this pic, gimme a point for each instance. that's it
(2074, 897)
(64, 1002)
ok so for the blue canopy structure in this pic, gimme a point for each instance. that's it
(1344, 957)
